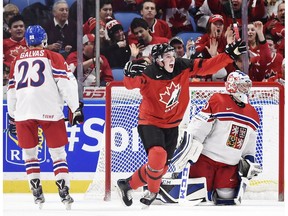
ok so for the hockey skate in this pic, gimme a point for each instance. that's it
(148, 198)
(66, 199)
(124, 191)
(37, 192)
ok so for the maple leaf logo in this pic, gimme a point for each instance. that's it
(171, 95)
(178, 19)
(17, 51)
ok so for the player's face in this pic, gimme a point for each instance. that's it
(169, 61)
(17, 30)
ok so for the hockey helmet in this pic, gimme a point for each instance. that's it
(35, 35)
(159, 49)
(238, 84)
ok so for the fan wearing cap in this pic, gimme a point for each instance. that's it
(116, 50)
(89, 75)
(215, 34)
(179, 47)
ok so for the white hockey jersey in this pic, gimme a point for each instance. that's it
(39, 83)
(227, 131)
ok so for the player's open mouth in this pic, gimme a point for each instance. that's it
(171, 65)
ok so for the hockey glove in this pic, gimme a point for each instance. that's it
(12, 126)
(236, 48)
(135, 68)
(77, 117)
(248, 169)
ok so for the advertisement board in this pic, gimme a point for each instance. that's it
(82, 151)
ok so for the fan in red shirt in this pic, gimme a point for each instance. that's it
(16, 44)
(89, 76)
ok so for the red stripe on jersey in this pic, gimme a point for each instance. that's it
(239, 121)
(59, 76)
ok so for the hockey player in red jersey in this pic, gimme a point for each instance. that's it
(164, 86)
(226, 127)
(39, 83)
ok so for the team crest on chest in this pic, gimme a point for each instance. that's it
(170, 96)
(236, 137)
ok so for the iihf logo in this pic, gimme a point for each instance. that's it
(13, 153)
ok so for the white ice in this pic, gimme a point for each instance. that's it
(23, 205)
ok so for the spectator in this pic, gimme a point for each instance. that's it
(141, 47)
(215, 30)
(125, 5)
(61, 31)
(88, 10)
(179, 47)
(276, 28)
(9, 11)
(256, 12)
(106, 10)
(157, 27)
(117, 50)
(89, 28)
(16, 44)
(89, 74)
(274, 71)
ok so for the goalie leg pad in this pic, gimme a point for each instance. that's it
(169, 189)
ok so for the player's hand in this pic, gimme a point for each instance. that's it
(12, 126)
(135, 68)
(77, 117)
(236, 48)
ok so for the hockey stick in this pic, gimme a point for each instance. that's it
(183, 189)
(235, 26)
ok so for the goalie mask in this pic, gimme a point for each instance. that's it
(238, 84)
(164, 56)
(35, 35)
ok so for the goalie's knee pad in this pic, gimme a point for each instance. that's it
(58, 154)
(30, 154)
(225, 193)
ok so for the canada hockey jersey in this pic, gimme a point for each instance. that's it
(166, 95)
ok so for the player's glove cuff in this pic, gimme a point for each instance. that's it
(135, 68)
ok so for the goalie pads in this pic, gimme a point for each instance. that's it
(169, 190)
(248, 169)
(189, 150)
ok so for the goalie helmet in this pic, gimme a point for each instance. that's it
(35, 35)
(159, 49)
(238, 84)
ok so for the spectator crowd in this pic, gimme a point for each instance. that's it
(157, 21)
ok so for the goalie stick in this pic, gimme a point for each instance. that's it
(183, 188)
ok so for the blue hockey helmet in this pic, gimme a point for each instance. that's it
(35, 35)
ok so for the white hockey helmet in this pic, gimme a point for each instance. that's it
(238, 84)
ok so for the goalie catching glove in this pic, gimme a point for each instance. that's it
(189, 150)
(77, 117)
(135, 68)
(236, 49)
(248, 169)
